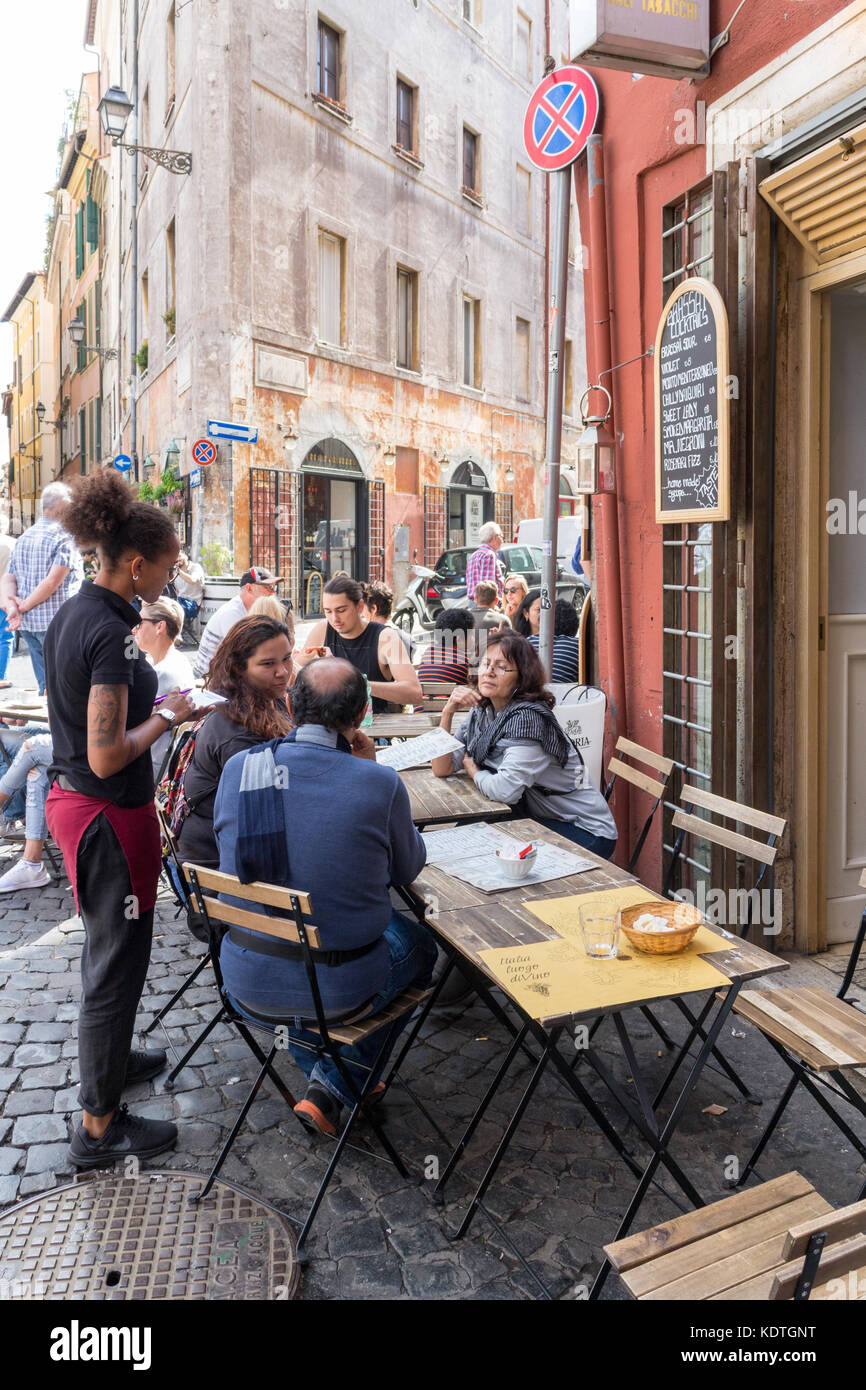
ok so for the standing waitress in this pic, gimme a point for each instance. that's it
(100, 808)
(372, 648)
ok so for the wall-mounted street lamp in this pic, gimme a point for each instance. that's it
(114, 111)
(76, 330)
(40, 416)
(595, 449)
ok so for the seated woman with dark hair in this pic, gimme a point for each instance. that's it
(527, 619)
(448, 657)
(516, 751)
(566, 648)
(252, 668)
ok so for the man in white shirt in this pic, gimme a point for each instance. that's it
(255, 583)
(189, 583)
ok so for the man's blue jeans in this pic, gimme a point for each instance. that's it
(413, 955)
(7, 642)
(34, 642)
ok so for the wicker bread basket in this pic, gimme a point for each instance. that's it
(661, 943)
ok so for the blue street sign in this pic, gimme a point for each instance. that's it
(123, 462)
(194, 477)
(230, 429)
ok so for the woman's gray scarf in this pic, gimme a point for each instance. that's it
(526, 719)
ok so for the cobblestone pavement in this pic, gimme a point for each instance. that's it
(558, 1195)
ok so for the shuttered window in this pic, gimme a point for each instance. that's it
(329, 61)
(79, 242)
(521, 360)
(82, 437)
(407, 299)
(92, 214)
(331, 256)
(405, 113)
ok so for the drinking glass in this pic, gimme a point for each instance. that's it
(599, 926)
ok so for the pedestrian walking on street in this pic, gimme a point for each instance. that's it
(7, 636)
(100, 810)
(44, 571)
(484, 563)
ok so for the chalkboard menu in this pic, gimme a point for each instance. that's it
(691, 406)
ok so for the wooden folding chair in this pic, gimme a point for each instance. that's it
(294, 927)
(435, 695)
(654, 786)
(583, 633)
(171, 857)
(778, 1241)
(819, 1036)
(762, 852)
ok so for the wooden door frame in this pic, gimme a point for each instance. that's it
(808, 828)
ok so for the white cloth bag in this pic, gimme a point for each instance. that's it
(580, 711)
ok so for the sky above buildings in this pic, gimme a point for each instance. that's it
(41, 56)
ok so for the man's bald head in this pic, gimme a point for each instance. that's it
(330, 692)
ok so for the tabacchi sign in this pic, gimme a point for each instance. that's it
(663, 38)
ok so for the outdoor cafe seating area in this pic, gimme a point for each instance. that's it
(565, 1125)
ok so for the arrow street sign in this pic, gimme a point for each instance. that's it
(123, 462)
(560, 118)
(230, 429)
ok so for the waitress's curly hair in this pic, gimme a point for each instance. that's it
(247, 705)
(530, 672)
(105, 512)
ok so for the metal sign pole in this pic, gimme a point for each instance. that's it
(553, 427)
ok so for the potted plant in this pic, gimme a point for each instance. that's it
(168, 319)
(217, 559)
(141, 357)
(146, 492)
(174, 502)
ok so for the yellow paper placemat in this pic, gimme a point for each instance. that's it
(562, 915)
(557, 977)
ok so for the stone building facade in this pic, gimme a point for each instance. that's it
(355, 267)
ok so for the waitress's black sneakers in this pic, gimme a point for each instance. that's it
(128, 1136)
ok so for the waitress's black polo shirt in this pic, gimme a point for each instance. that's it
(89, 642)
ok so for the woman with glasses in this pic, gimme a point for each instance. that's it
(513, 594)
(515, 751)
(101, 692)
(159, 628)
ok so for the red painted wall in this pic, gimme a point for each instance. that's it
(646, 168)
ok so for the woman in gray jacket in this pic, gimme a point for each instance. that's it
(515, 751)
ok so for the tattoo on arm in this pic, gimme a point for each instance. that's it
(106, 715)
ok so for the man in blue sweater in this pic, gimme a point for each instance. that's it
(317, 813)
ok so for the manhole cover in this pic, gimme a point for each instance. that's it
(108, 1237)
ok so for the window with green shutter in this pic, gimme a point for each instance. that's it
(82, 437)
(97, 309)
(79, 242)
(97, 428)
(92, 223)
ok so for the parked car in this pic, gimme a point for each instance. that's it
(445, 585)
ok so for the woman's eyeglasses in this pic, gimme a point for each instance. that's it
(149, 620)
(495, 670)
(515, 589)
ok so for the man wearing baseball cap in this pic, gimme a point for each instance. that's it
(254, 583)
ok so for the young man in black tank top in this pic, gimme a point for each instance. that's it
(372, 648)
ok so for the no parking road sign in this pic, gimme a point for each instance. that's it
(203, 451)
(560, 118)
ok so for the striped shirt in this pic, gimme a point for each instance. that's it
(36, 550)
(483, 564)
(566, 651)
(441, 666)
